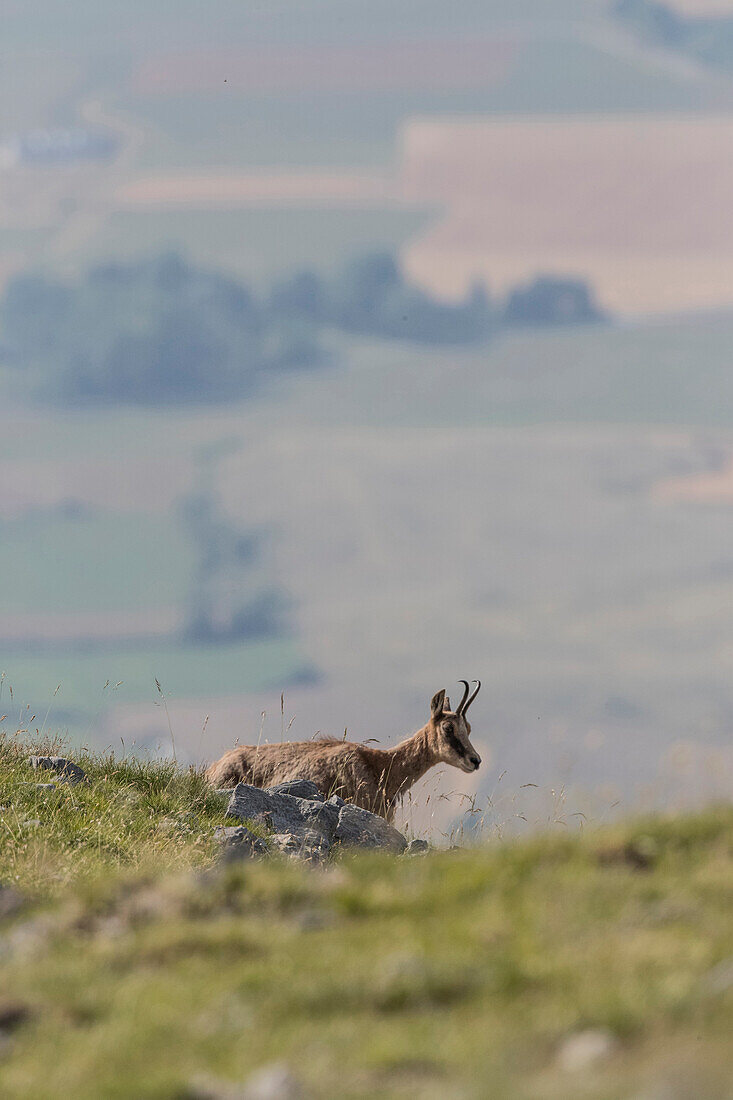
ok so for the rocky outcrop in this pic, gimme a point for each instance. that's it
(359, 828)
(66, 770)
(284, 813)
(310, 827)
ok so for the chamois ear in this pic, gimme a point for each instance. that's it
(437, 705)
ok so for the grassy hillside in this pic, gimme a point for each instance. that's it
(132, 964)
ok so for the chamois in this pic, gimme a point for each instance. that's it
(375, 779)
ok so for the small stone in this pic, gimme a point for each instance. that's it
(46, 786)
(203, 1087)
(585, 1049)
(67, 770)
(417, 847)
(313, 920)
(309, 847)
(273, 1082)
(31, 822)
(29, 937)
(239, 843)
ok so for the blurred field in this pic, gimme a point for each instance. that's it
(275, 100)
(585, 467)
(219, 125)
(383, 66)
(103, 563)
(604, 198)
(589, 587)
(703, 7)
(461, 973)
(82, 691)
(260, 243)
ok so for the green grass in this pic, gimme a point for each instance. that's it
(133, 815)
(142, 966)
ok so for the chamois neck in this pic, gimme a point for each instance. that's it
(408, 762)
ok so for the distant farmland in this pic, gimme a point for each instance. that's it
(703, 7)
(458, 63)
(640, 205)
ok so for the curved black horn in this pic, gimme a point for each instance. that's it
(459, 708)
(478, 689)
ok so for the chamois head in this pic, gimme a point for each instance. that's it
(450, 729)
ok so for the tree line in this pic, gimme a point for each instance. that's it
(161, 331)
(707, 38)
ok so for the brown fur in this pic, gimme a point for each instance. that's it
(375, 779)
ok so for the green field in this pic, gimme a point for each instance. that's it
(136, 966)
(585, 605)
(228, 129)
(104, 563)
(184, 671)
(674, 372)
(143, 25)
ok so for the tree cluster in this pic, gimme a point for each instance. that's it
(707, 38)
(371, 297)
(152, 332)
(162, 332)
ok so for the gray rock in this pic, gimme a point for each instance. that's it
(417, 847)
(46, 786)
(362, 829)
(66, 769)
(305, 818)
(298, 788)
(320, 817)
(273, 1082)
(309, 847)
(283, 812)
(586, 1048)
(239, 843)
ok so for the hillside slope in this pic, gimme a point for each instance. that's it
(134, 964)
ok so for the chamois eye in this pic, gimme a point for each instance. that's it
(448, 727)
